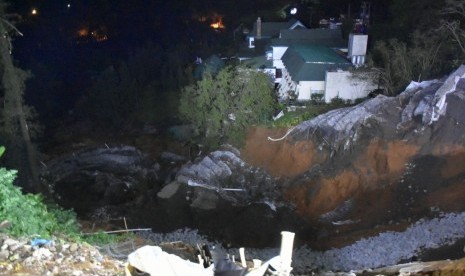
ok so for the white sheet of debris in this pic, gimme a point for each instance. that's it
(154, 261)
(448, 87)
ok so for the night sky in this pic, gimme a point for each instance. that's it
(68, 43)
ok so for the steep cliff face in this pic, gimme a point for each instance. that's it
(386, 161)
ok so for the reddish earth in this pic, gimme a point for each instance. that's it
(376, 180)
(280, 159)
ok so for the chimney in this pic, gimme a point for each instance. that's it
(259, 28)
(357, 48)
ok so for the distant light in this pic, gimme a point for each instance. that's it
(83, 32)
(218, 24)
(69, 6)
(34, 12)
(293, 10)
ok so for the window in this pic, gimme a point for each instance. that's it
(252, 42)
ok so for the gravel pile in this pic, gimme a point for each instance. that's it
(57, 257)
(385, 249)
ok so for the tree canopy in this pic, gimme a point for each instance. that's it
(222, 106)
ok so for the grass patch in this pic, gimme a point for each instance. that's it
(306, 112)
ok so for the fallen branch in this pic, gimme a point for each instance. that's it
(282, 138)
(119, 231)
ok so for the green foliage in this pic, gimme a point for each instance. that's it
(317, 98)
(308, 112)
(102, 238)
(28, 214)
(2, 150)
(221, 107)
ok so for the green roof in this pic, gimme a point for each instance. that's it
(310, 62)
(260, 62)
(272, 29)
(320, 36)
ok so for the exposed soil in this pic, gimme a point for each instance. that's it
(385, 190)
(280, 159)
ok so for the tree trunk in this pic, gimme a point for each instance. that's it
(13, 83)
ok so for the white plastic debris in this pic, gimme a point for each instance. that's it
(423, 84)
(242, 255)
(154, 261)
(287, 242)
(281, 264)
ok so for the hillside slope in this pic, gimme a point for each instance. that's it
(383, 163)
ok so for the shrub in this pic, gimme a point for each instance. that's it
(28, 214)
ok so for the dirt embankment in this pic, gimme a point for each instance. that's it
(382, 184)
(281, 158)
(381, 163)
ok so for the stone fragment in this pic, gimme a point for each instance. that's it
(10, 242)
(42, 254)
(4, 254)
(15, 247)
(73, 247)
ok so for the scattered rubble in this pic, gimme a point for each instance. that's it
(26, 256)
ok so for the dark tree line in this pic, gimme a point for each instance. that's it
(15, 117)
(419, 40)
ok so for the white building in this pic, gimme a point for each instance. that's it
(310, 63)
(312, 70)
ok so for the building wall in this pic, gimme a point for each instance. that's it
(272, 73)
(340, 84)
(286, 85)
(278, 52)
(305, 89)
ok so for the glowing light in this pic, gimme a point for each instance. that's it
(34, 12)
(83, 32)
(69, 6)
(218, 24)
(293, 10)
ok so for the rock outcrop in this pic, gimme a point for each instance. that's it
(90, 178)
(229, 199)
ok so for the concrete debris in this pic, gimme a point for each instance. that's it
(53, 257)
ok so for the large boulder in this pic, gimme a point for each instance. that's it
(95, 177)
